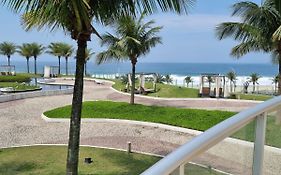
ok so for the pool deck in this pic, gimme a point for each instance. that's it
(21, 123)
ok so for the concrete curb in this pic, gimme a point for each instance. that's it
(18, 96)
(157, 125)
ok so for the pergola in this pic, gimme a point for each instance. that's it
(51, 71)
(220, 89)
(8, 70)
(142, 80)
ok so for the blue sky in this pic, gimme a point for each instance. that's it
(185, 38)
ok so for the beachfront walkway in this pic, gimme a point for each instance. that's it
(21, 123)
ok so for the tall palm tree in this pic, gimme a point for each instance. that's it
(188, 80)
(55, 49)
(168, 79)
(89, 54)
(36, 50)
(210, 80)
(259, 29)
(133, 39)
(275, 82)
(75, 17)
(254, 77)
(232, 78)
(7, 49)
(66, 51)
(26, 51)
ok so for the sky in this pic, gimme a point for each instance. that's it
(186, 38)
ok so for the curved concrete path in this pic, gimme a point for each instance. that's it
(21, 123)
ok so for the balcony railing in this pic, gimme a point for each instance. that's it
(177, 160)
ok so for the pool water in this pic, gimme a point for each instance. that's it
(47, 87)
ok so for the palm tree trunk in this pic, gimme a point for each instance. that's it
(279, 74)
(74, 130)
(27, 64)
(9, 60)
(254, 87)
(35, 65)
(59, 63)
(86, 68)
(66, 65)
(134, 62)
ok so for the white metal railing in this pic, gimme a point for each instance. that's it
(200, 144)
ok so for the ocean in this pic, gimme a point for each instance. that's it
(178, 71)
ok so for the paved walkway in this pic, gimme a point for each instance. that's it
(21, 123)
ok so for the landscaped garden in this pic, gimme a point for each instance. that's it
(50, 160)
(187, 118)
(18, 82)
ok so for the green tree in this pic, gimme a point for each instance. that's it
(7, 49)
(66, 52)
(55, 49)
(36, 50)
(254, 77)
(160, 78)
(275, 82)
(168, 79)
(232, 79)
(210, 80)
(188, 80)
(25, 51)
(259, 29)
(89, 54)
(133, 39)
(75, 17)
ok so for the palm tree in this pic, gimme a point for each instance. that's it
(66, 52)
(254, 77)
(232, 78)
(8, 49)
(259, 30)
(275, 82)
(25, 51)
(55, 49)
(188, 80)
(89, 54)
(160, 78)
(36, 50)
(75, 17)
(168, 79)
(210, 80)
(133, 39)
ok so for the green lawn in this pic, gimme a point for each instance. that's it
(164, 90)
(20, 77)
(18, 86)
(188, 118)
(257, 97)
(50, 160)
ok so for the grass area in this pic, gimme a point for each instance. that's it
(256, 97)
(20, 77)
(18, 86)
(50, 160)
(164, 90)
(188, 118)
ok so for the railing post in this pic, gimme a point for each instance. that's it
(259, 144)
(182, 169)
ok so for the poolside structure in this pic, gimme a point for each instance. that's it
(219, 91)
(51, 71)
(142, 79)
(8, 70)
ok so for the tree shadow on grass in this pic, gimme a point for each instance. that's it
(16, 167)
